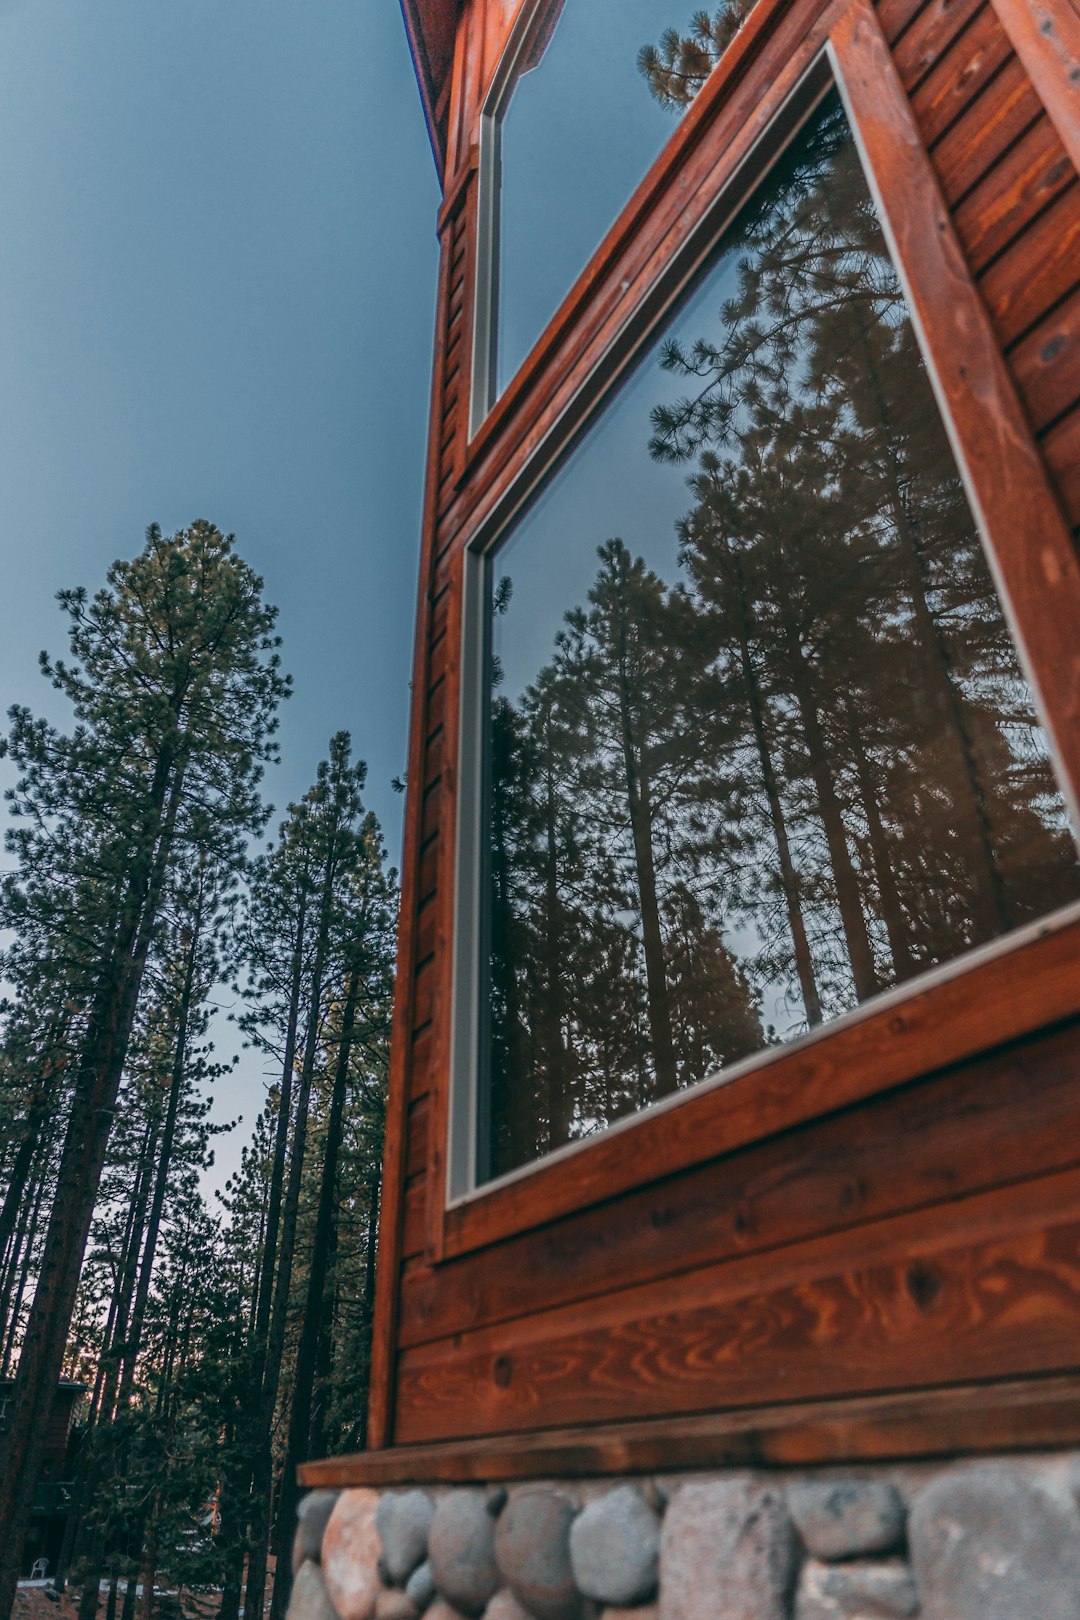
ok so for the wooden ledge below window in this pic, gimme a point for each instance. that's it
(1013, 1416)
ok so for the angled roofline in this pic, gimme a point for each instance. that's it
(430, 26)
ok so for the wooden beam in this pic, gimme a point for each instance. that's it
(1016, 1415)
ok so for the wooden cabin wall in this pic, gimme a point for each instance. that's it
(927, 1236)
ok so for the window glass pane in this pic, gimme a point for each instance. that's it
(759, 746)
(580, 131)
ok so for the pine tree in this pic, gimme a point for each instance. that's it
(174, 681)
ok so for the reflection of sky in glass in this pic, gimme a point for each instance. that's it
(614, 490)
(580, 133)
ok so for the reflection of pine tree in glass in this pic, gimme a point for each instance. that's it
(809, 771)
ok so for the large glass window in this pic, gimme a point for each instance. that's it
(758, 743)
(570, 135)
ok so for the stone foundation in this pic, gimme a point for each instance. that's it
(996, 1540)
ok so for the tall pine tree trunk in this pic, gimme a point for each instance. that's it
(304, 1373)
(79, 1173)
(892, 910)
(845, 877)
(639, 804)
(262, 1470)
(264, 1288)
(789, 878)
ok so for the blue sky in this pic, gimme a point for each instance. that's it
(217, 277)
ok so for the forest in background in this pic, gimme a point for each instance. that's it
(219, 1341)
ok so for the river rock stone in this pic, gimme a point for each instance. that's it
(391, 1603)
(644, 1611)
(847, 1518)
(312, 1516)
(856, 1591)
(404, 1524)
(461, 1549)
(420, 1586)
(532, 1549)
(727, 1548)
(441, 1610)
(309, 1599)
(615, 1548)
(350, 1555)
(505, 1606)
(299, 1552)
(988, 1545)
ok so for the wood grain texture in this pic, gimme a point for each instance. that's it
(1034, 171)
(922, 46)
(1045, 35)
(1038, 271)
(1046, 364)
(970, 1418)
(986, 129)
(1011, 1116)
(965, 73)
(1061, 447)
(994, 1291)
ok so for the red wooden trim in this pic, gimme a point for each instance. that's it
(442, 998)
(391, 1214)
(991, 1291)
(1046, 38)
(1008, 1117)
(1005, 1415)
(455, 195)
(1027, 541)
(978, 1007)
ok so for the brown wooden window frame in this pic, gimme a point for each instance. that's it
(786, 56)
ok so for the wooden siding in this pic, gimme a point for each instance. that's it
(919, 1232)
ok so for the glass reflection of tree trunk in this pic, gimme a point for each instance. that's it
(639, 804)
(892, 911)
(514, 1128)
(846, 880)
(552, 1039)
(789, 880)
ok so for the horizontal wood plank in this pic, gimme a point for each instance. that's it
(985, 131)
(896, 15)
(425, 931)
(963, 74)
(1014, 1115)
(413, 1228)
(923, 45)
(420, 1066)
(428, 870)
(1018, 188)
(1000, 1416)
(1046, 364)
(993, 1291)
(1038, 271)
(423, 993)
(1061, 449)
(416, 1136)
(1045, 34)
